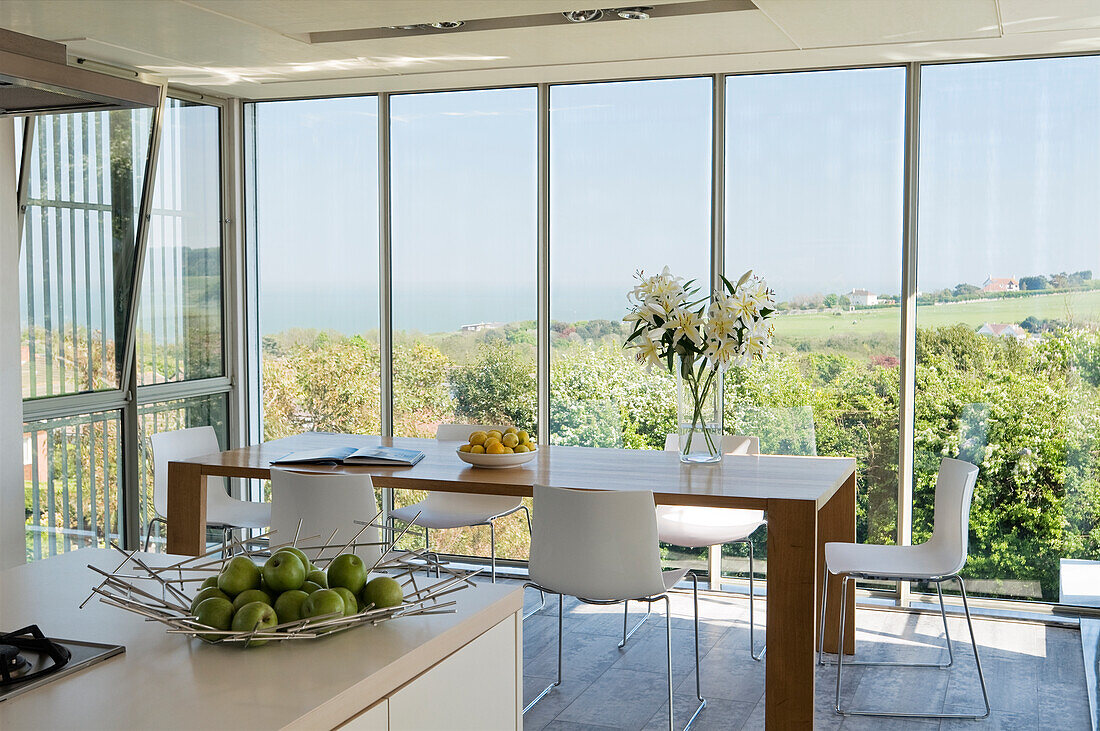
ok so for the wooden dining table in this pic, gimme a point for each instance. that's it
(809, 501)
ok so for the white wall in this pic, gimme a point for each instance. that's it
(12, 543)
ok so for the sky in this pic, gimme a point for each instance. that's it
(1009, 179)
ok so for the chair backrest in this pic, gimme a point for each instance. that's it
(595, 544)
(172, 446)
(951, 515)
(461, 432)
(731, 444)
(324, 503)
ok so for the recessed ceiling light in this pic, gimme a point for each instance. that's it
(403, 27)
(639, 13)
(583, 16)
(448, 24)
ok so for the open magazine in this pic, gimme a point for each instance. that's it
(381, 456)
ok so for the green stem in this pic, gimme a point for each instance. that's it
(698, 396)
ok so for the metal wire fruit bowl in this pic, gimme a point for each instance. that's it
(160, 593)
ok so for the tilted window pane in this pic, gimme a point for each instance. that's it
(313, 172)
(172, 416)
(71, 473)
(465, 242)
(179, 327)
(77, 260)
(1007, 344)
(630, 181)
(814, 204)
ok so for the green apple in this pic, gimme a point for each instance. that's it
(322, 602)
(349, 571)
(309, 587)
(351, 606)
(251, 595)
(297, 552)
(210, 581)
(238, 575)
(214, 612)
(271, 593)
(254, 616)
(383, 592)
(318, 577)
(289, 605)
(284, 571)
(210, 591)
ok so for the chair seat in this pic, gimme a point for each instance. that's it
(695, 527)
(239, 513)
(472, 510)
(910, 562)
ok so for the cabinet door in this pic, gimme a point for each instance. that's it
(475, 688)
(375, 718)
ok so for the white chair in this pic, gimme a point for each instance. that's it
(939, 559)
(324, 502)
(441, 510)
(222, 511)
(601, 547)
(695, 527)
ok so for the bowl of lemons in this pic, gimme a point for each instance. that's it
(509, 448)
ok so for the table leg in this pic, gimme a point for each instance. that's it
(836, 521)
(186, 509)
(792, 574)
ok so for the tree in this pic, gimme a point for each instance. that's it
(498, 387)
(1033, 283)
(965, 290)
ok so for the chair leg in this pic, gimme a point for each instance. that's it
(542, 594)
(821, 623)
(668, 650)
(946, 631)
(149, 531)
(628, 635)
(698, 676)
(556, 683)
(840, 638)
(493, 548)
(974, 644)
(752, 620)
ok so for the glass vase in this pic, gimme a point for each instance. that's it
(698, 411)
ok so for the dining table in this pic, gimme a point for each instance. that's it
(809, 502)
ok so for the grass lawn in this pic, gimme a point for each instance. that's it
(884, 324)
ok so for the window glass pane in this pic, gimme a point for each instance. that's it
(78, 255)
(313, 187)
(630, 180)
(813, 204)
(179, 329)
(465, 299)
(71, 472)
(1007, 343)
(171, 416)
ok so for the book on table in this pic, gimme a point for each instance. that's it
(376, 456)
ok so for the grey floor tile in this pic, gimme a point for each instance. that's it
(719, 715)
(1064, 703)
(626, 697)
(997, 721)
(649, 651)
(1011, 680)
(547, 709)
(901, 690)
(584, 657)
(728, 672)
(870, 723)
(568, 726)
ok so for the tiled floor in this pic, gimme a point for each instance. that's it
(1035, 673)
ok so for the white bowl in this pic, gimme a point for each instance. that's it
(498, 461)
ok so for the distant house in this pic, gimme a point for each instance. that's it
(862, 297)
(1000, 284)
(1003, 330)
(479, 326)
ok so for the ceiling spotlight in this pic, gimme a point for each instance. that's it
(447, 24)
(403, 27)
(583, 16)
(639, 13)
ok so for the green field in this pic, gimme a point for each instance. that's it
(883, 324)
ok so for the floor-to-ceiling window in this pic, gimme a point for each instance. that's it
(463, 171)
(313, 225)
(813, 203)
(1009, 306)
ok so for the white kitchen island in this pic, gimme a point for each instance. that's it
(446, 671)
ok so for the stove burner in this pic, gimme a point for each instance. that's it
(30, 639)
(11, 660)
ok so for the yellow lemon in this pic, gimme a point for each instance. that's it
(495, 434)
(478, 437)
(465, 448)
(533, 447)
(496, 448)
(511, 430)
(509, 450)
(509, 440)
(477, 449)
(491, 440)
(521, 448)
(524, 437)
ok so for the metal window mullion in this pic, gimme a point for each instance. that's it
(717, 245)
(907, 396)
(385, 271)
(174, 390)
(543, 263)
(58, 407)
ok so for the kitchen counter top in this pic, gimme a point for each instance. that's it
(170, 681)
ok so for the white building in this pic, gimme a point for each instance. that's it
(862, 298)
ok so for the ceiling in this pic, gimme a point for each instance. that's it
(262, 49)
